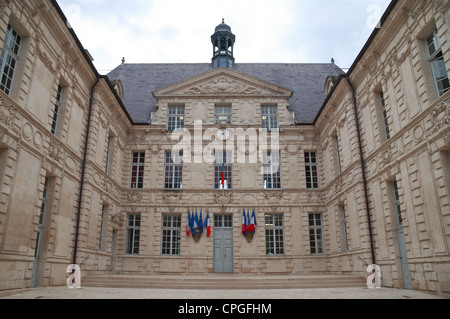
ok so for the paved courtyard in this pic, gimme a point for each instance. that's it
(166, 294)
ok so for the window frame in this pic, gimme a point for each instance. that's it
(223, 221)
(171, 235)
(270, 117)
(343, 212)
(137, 167)
(310, 169)
(218, 159)
(396, 198)
(103, 219)
(220, 112)
(273, 231)
(433, 58)
(384, 116)
(272, 180)
(338, 154)
(173, 171)
(175, 117)
(57, 110)
(110, 153)
(133, 234)
(8, 55)
(316, 243)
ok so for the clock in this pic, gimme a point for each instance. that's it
(223, 134)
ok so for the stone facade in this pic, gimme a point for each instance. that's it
(89, 157)
(50, 56)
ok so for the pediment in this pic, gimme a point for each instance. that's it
(223, 82)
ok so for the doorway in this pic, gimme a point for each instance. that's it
(401, 241)
(41, 240)
(223, 244)
(112, 264)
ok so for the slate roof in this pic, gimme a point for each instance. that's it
(306, 80)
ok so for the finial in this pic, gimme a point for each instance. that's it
(123, 60)
(223, 21)
(332, 60)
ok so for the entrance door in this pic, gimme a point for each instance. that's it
(223, 244)
(112, 264)
(38, 264)
(403, 258)
(401, 242)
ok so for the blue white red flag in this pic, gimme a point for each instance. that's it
(195, 223)
(188, 225)
(223, 171)
(244, 225)
(200, 222)
(207, 225)
(252, 227)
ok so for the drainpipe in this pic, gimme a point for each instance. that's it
(83, 171)
(363, 166)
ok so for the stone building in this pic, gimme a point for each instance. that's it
(338, 168)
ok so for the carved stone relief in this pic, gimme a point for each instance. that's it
(223, 85)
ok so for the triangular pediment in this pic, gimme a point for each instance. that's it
(222, 82)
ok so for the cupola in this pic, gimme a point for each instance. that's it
(223, 45)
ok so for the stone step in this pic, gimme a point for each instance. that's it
(223, 282)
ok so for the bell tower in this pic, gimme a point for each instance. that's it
(223, 45)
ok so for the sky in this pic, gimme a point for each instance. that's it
(179, 31)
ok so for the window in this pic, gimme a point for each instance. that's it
(311, 167)
(133, 234)
(398, 210)
(338, 155)
(272, 170)
(43, 211)
(437, 63)
(344, 228)
(109, 153)
(137, 171)
(102, 226)
(171, 235)
(44, 200)
(316, 234)
(445, 157)
(274, 234)
(176, 118)
(174, 170)
(223, 221)
(3, 161)
(56, 109)
(269, 115)
(9, 58)
(223, 163)
(384, 115)
(223, 113)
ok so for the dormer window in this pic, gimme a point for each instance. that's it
(118, 87)
(175, 118)
(329, 84)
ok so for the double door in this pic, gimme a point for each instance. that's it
(223, 244)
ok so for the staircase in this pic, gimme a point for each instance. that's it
(222, 282)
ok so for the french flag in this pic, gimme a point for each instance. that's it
(244, 225)
(195, 223)
(207, 225)
(188, 226)
(223, 171)
(252, 227)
